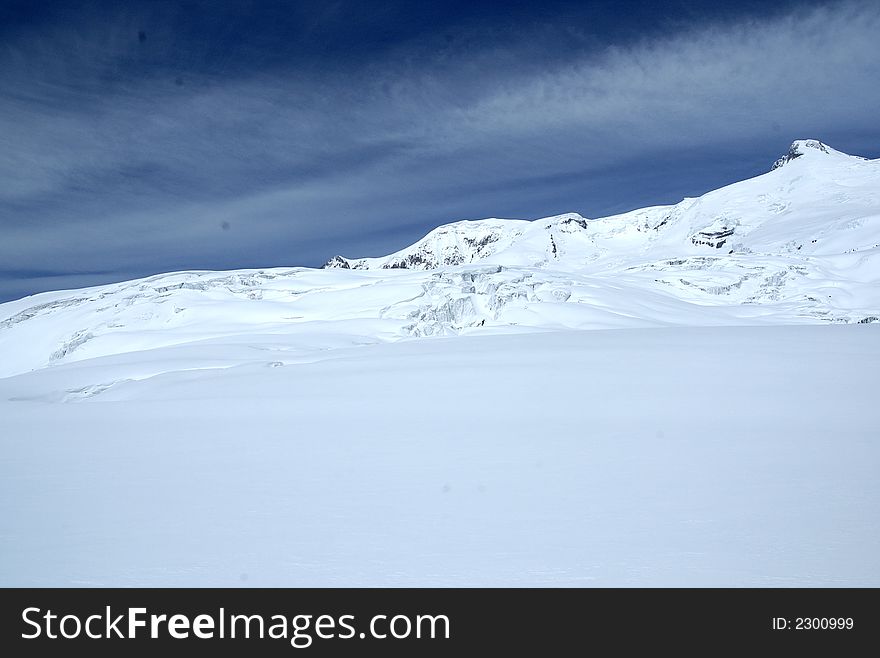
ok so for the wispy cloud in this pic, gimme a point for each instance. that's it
(111, 162)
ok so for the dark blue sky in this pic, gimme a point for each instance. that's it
(141, 137)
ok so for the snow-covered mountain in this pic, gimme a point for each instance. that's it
(799, 244)
(820, 194)
(277, 427)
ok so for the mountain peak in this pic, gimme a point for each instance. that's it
(812, 148)
(337, 262)
(799, 148)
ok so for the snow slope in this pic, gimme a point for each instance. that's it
(440, 416)
(738, 456)
(815, 201)
(799, 244)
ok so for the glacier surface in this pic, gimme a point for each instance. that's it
(678, 395)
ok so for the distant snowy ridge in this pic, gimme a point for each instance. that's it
(797, 245)
(458, 243)
(717, 219)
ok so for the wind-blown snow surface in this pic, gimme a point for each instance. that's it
(441, 416)
(685, 456)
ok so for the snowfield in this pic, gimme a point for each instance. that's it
(687, 456)
(679, 395)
